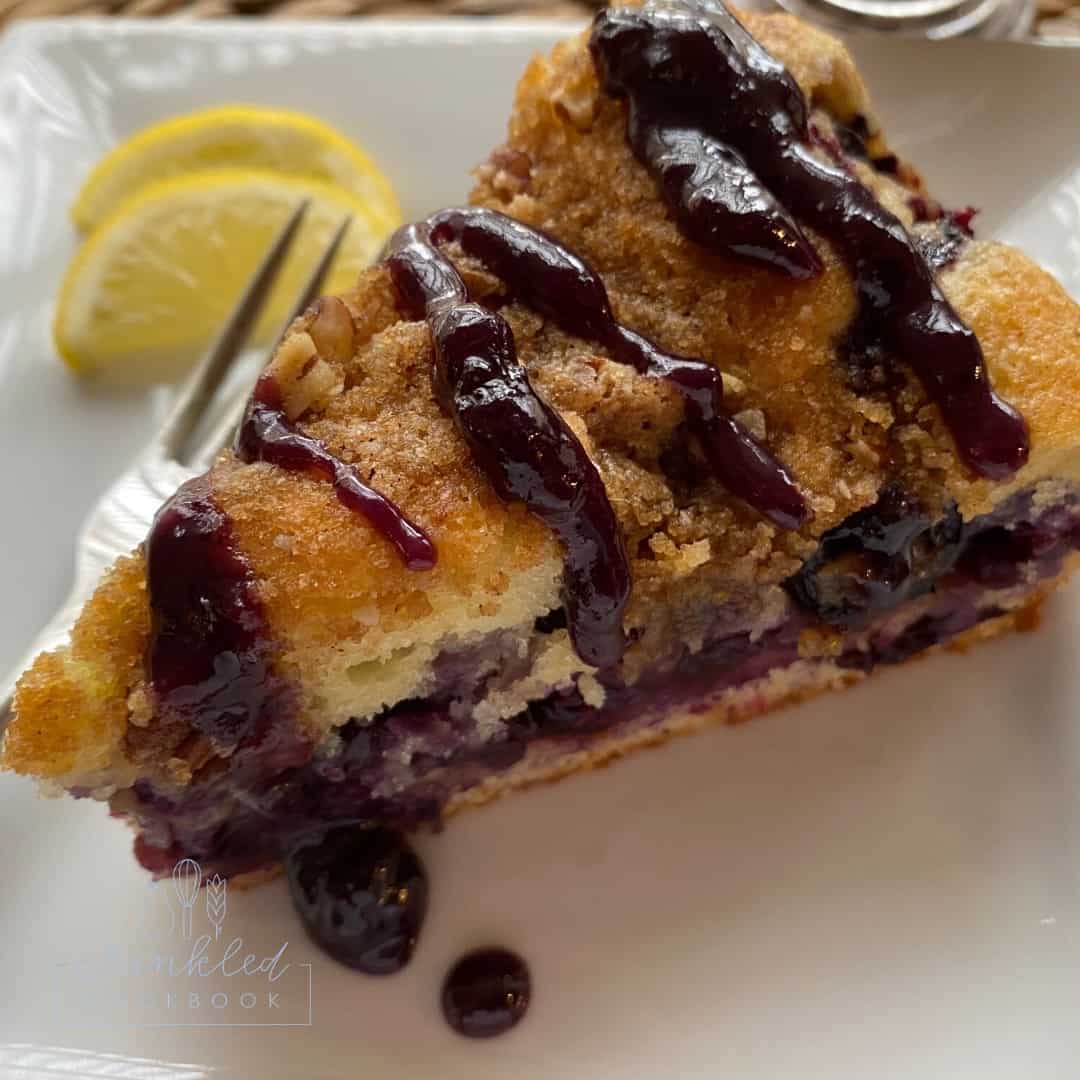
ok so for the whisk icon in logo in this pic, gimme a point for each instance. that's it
(187, 877)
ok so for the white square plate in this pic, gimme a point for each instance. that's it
(883, 883)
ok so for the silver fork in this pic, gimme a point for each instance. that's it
(119, 521)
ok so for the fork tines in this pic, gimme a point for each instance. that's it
(176, 436)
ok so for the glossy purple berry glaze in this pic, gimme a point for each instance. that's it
(210, 650)
(563, 287)
(265, 434)
(361, 893)
(524, 447)
(715, 196)
(486, 993)
(695, 61)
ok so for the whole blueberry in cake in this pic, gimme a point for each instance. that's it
(701, 405)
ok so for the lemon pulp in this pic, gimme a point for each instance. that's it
(160, 275)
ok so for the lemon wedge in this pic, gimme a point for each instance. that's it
(233, 136)
(159, 276)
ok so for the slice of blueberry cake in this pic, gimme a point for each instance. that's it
(701, 406)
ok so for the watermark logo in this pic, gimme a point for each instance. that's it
(183, 966)
(186, 879)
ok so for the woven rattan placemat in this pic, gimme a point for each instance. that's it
(1056, 18)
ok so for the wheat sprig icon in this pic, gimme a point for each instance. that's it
(215, 902)
(186, 877)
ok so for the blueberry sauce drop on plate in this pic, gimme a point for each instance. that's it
(361, 893)
(486, 993)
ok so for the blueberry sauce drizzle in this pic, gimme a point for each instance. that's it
(486, 993)
(696, 61)
(717, 200)
(210, 649)
(564, 288)
(523, 446)
(265, 434)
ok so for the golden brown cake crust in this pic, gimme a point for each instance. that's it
(356, 626)
(780, 338)
(71, 708)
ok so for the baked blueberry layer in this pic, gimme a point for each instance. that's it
(887, 584)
